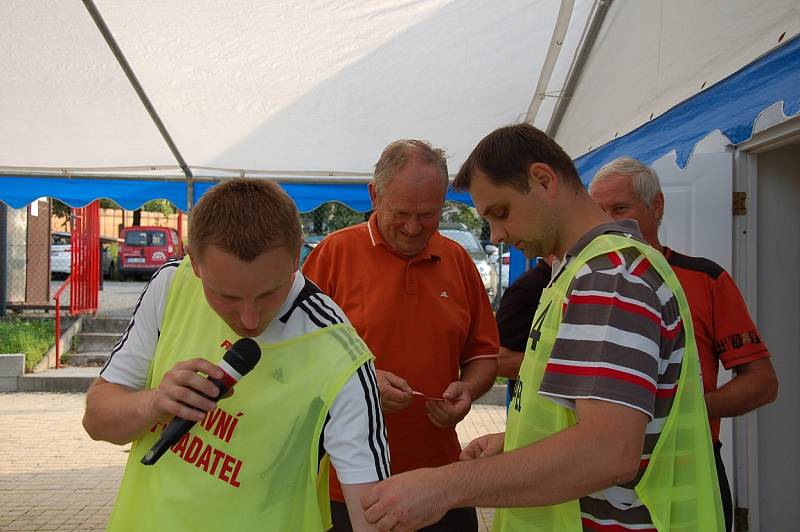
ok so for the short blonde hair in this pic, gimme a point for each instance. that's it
(645, 179)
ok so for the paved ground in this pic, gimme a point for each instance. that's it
(54, 477)
(116, 299)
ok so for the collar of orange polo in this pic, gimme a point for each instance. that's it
(432, 250)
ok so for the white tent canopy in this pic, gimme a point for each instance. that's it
(305, 87)
(649, 56)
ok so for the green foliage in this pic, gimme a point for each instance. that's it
(455, 212)
(109, 204)
(330, 217)
(60, 209)
(163, 206)
(30, 336)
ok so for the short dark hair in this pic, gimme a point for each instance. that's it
(505, 155)
(245, 217)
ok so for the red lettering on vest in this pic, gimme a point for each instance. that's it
(217, 456)
(235, 422)
(227, 467)
(222, 422)
(193, 450)
(234, 481)
(180, 447)
(205, 457)
(212, 418)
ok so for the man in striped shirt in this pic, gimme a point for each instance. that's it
(609, 354)
(629, 189)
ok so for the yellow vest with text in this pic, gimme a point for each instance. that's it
(679, 486)
(253, 463)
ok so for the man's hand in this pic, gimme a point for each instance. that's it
(181, 391)
(447, 413)
(486, 445)
(395, 391)
(407, 501)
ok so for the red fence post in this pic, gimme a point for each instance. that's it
(85, 260)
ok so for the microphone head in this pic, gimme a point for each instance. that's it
(243, 355)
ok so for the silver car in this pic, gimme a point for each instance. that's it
(61, 251)
(485, 268)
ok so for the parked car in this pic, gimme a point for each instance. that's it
(505, 267)
(61, 255)
(309, 243)
(477, 253)
(144, 249)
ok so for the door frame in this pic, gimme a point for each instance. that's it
(745, 273)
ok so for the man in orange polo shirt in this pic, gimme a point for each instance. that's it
(724, 331)
(418, 302)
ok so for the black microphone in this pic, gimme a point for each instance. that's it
(237, 362)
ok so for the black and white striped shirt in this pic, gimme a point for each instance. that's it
(354, 434)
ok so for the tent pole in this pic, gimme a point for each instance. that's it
(600, 8)
(126, 67)
(559, 33)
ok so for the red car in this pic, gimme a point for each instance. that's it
(144, 249)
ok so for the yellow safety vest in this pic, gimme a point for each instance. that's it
(252, 464)
(679, 486)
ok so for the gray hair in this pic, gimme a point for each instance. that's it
(645, 179)
(397, 154)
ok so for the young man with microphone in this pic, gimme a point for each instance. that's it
(254, 459)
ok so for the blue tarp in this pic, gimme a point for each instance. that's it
(309, 196)
(17, 192)
(731, 106)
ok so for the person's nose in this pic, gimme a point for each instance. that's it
(248, 315)
(498, 233)
(412, 226)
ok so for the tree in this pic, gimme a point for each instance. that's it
(455, 212)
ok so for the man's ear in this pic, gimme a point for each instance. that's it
(373, 194)
(658, 205)
(541, 176)
(195, 262)
(297, 258)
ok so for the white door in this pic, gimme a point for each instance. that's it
(698, 222)
(778, 296)
(697, 213)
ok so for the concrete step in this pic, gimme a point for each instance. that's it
(66, 379)
(95, 341)
(88, 359)
(105, 325)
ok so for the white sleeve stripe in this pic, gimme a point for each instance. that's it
(315, 303)
(124, 337)
(373, 413)
(381, 437)
(331, 310)
(305, 307)
(609, 334)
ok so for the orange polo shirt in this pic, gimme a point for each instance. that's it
(422, 317)
(723, 328)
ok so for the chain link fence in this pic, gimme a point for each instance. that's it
(38, 243)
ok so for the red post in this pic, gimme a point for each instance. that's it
(180, 233)
(85, 260)
(57, 298)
